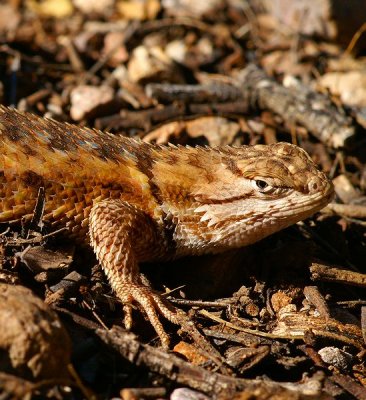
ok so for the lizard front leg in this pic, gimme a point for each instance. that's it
(122, 235)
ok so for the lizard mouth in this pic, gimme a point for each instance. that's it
(309, 205)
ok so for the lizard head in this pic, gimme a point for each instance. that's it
(234, 196)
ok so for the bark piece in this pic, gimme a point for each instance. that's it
(297, 104)
(210, 93)
(296, 325)
(33, 342)
(314, 297)
(39, 259)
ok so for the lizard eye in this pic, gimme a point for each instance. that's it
(262, 186)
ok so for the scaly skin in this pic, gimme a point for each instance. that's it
(141, 202)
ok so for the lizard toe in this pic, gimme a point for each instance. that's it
(127, 310)
(150, 303)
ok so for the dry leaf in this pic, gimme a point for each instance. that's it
(51, 8)
(152, 64)
(349, 86)
(9, 18)
(191, 8)
(139, 9)
(217, 130)
(85, 100)
(94, 6)
(190, 352)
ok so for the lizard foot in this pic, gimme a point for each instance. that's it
(151, 304)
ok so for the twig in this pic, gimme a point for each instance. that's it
(355, 38)
(239, 328)
(346, 210)
(296, 103)
(186, 374)
(334, 274)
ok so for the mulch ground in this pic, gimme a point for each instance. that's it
(287, 315)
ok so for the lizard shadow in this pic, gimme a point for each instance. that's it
(279, 259)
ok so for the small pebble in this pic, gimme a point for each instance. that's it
(336, 357)
(187, 394)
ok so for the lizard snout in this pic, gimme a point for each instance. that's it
(320, 184)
